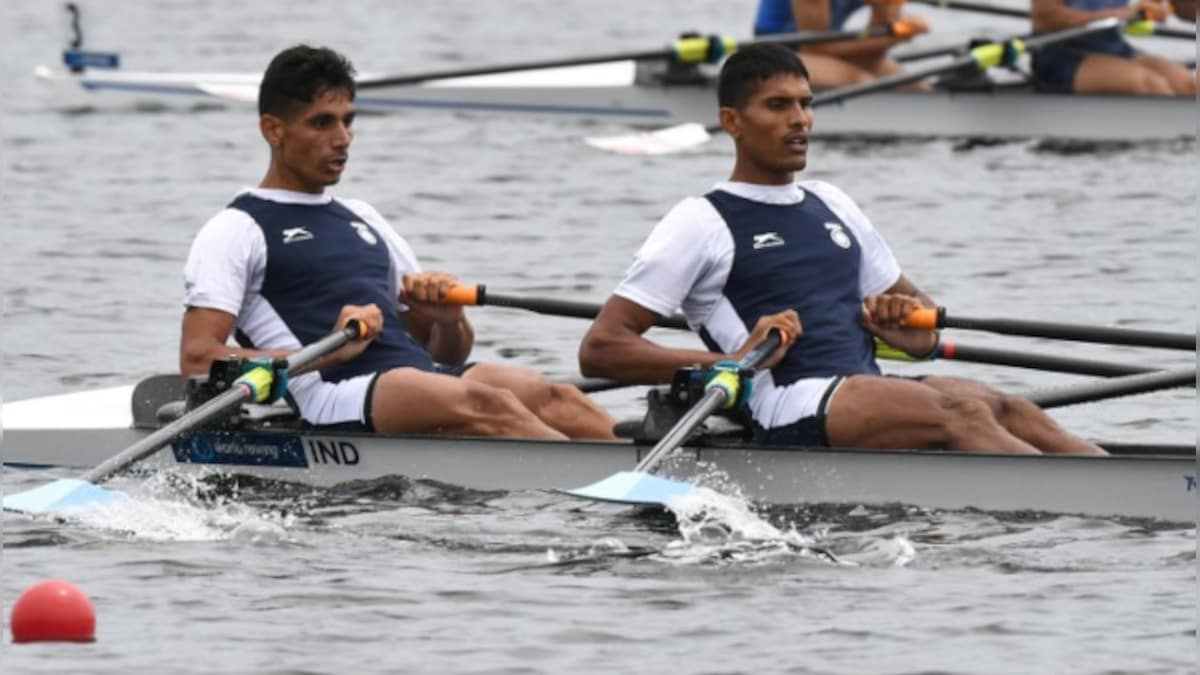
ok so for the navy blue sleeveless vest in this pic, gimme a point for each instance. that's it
(319, 259)
(1106, 42)
(801, 257)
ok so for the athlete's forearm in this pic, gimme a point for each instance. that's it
(197, 359)
(634, 359)
(451, 343)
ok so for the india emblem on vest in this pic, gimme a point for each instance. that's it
(364, 231)
(838, 235)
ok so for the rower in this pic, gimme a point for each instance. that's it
(838, 64)
(1104, 63)
(284, 263)
(761, 252)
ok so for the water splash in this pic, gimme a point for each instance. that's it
(724, 529)
(173, 508)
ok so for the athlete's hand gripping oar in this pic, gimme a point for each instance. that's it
(684, 136)
(478, 296)
(938, 318)
(255, 385)
(696, 49)
(639, 486)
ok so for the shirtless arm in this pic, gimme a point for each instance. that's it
(615, 347)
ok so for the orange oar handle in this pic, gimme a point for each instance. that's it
(928, 318)
(902, 29)
(466, 295)
(356, 329)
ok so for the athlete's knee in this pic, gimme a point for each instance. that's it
(1001, 405)
(1013, 404)
(529, 386)
(1150, 83)
(1020, 412)
(1185, 86)
(580, 404)
(488, 410)
(486, 400)
(955, 389)
(862, 77)
(965, 417)
(567, 393)
(538, 394)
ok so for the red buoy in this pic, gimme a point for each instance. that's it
(53, 611)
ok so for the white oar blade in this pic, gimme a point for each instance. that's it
(63, 495)
(242, 93)
(633, 487)
(661, 142)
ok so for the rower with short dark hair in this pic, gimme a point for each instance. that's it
(840, 64)
(761, 252)
(284, 263)
(1105, 63)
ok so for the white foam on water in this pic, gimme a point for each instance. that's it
(599, 548)
(162, 509)
(894, 551)
(715, 526)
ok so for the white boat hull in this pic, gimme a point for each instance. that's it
(1162, 487)
(610, 92)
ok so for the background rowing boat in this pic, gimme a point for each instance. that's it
(100, 208)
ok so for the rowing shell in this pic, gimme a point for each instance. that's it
(617, 92)
(81, 430)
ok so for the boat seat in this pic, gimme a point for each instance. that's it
(663, 411)
(152, 393)
(170, 411)
(162, 399)
(252, 413)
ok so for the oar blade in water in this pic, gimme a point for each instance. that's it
(660, 142)
(634, 488)
(70, 494)
(61, 496)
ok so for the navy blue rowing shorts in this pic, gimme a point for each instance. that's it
(1055, 67)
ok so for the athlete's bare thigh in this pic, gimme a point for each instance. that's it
(406, 400)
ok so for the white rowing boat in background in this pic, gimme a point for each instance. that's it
(81, 430)
(628, 92)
